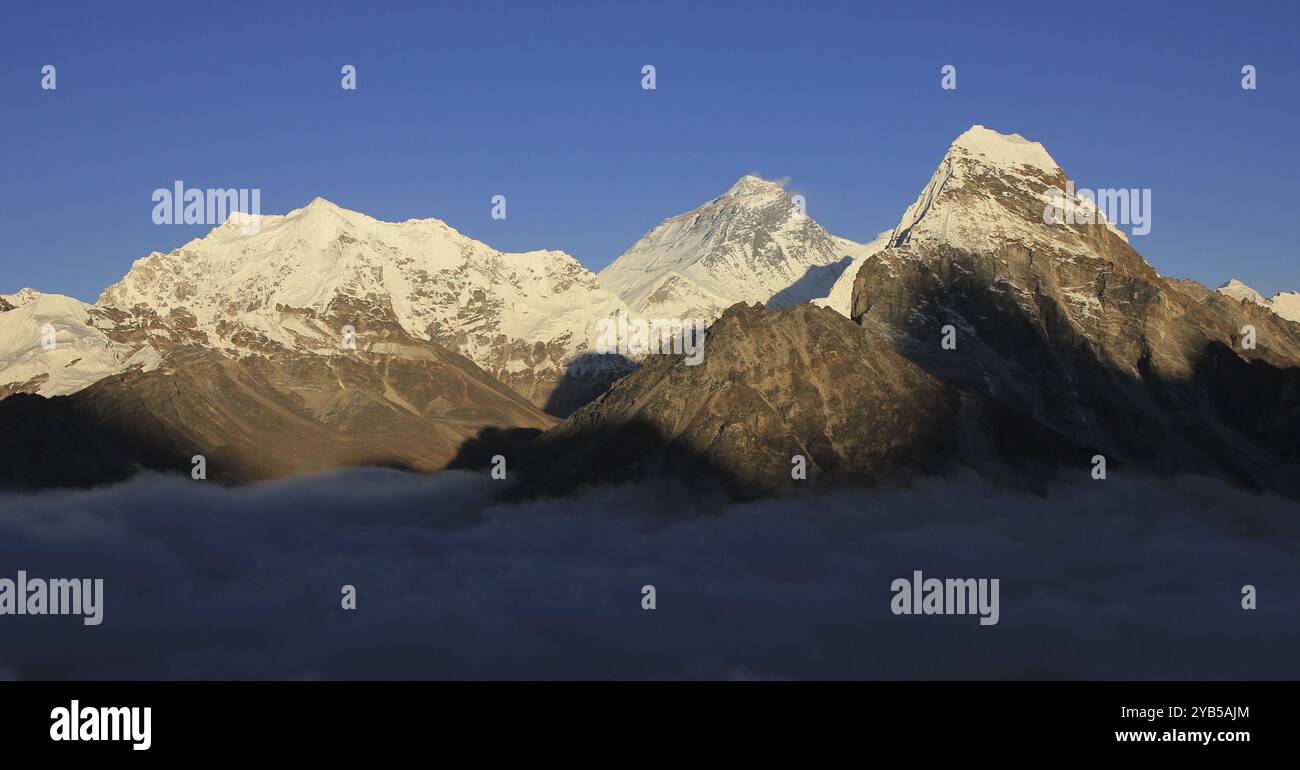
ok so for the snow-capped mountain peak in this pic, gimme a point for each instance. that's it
(1009, 151)
(752, 187)
(1284, 303)
(321, 210)
(992, 189)
(750, 244)
(302, 276)
(1238, 290)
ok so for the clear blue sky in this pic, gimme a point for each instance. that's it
(541, 102)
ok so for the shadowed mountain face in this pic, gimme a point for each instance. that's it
(802, 381)
(1069, 323)
(411, 406)
(771, 385)
(1064, 344)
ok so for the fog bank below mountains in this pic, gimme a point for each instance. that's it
(1120, 578)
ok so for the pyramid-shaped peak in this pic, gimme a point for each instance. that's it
(1005, 150)
(321, 209)
(750, 184)
(1238, 290)
(323, 205)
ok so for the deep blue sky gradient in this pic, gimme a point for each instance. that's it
(541, 102)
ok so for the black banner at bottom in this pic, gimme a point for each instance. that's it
(569, 720)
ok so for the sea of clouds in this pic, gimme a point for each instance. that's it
(1111, 579)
